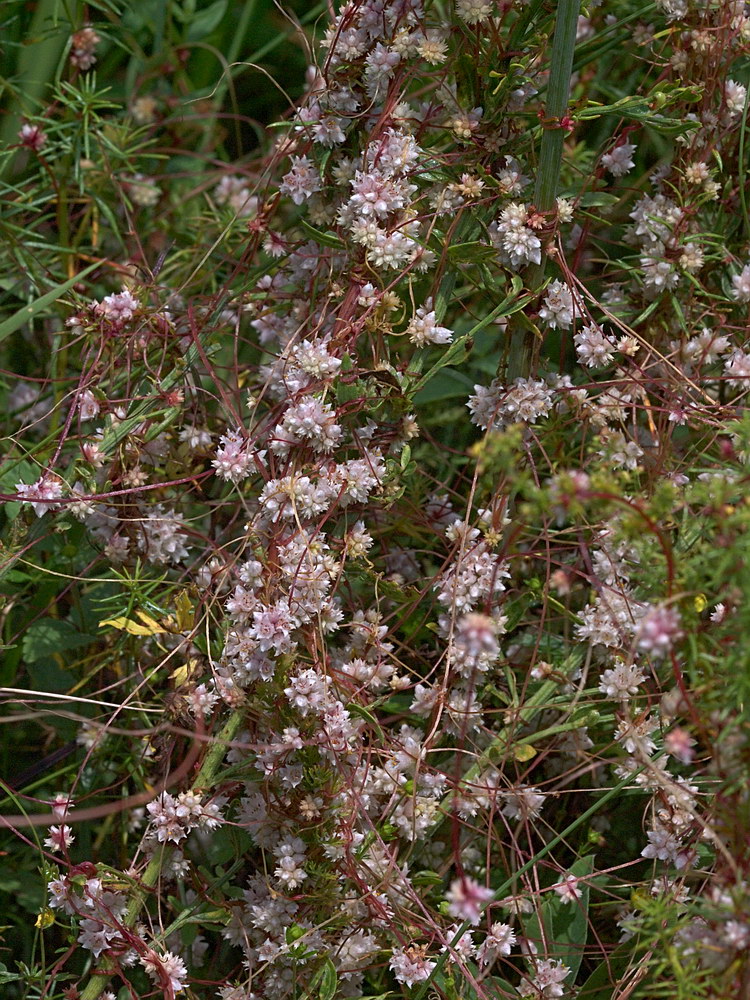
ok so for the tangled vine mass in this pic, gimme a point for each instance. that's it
(375, 533)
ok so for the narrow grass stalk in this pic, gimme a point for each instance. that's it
(550, 158)
(205, 778)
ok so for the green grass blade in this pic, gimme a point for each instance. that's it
(17, 320)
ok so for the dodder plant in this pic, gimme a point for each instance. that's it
(375, 525)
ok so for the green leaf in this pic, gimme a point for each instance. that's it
(8, 977)
(447, 384)
(361, 712)
(427, 877)
(49, 636)
(598, 199)
(328, 981)
(328, 239)
(471, 253)
(502, 984)
(226, 844)
(204, 22)
(346, 392)
(323, 983)
(17, 320)
(640, 109)
(566, 925)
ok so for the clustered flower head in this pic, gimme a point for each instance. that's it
(42, 494)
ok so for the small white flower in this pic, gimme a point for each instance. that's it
(619, 161)
(166, 966)
(466, 898)
(568, 890)
(39, 494)
(424, 329)
(561, 306)
(410, 965)
(741, 282)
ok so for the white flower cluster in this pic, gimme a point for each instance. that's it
(118, 308)
(474, 577)
(497, 405)
(516, 242)
(561, 306)
(99, 909)
(42, 494)
(619, 160)
(172, 818)
(234, 457)
(424, 329)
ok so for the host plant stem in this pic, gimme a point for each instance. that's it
(523, 346)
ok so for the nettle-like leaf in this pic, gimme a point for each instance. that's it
(50, 636)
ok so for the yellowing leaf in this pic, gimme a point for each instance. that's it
(149, 621)
(184, 610)
(523, 752)
(187, 672)
(131, 627)
(45, 918)
(180, 675)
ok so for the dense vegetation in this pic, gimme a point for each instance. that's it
(375, 542)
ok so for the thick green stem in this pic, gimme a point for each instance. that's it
(522, 339)
(205, 779)
(558, 93)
